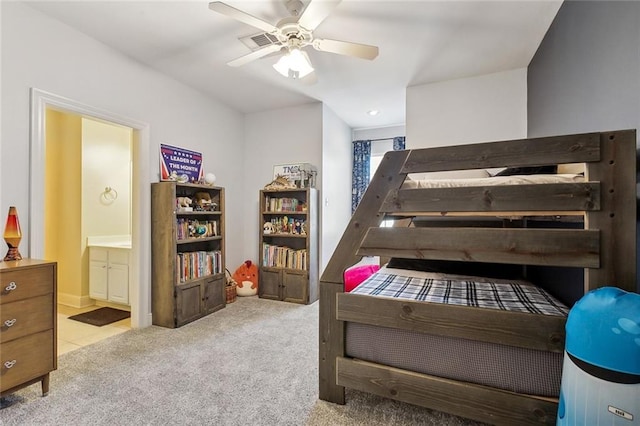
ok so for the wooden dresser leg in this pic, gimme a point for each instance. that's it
(45, 385)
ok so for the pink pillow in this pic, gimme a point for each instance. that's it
(357, 274)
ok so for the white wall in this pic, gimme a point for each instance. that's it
(40, 52)
(282, 136)
(335, 199)
(379, 133)
(471, 110)
(106, 162)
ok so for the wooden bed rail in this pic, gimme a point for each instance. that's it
(464, 399)
(515, 153)
(520, 329)
(553, 247)
(576, 197)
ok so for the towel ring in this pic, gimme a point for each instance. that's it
(109, 194)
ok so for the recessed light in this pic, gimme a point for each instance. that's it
(373, 112)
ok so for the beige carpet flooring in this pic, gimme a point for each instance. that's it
(253, 363)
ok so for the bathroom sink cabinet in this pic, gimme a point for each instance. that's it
(109, 274)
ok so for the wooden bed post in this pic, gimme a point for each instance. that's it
(331, 334)
(616, 218)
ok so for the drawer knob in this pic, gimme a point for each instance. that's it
(12, 286)
(10, 322)
(9, 364)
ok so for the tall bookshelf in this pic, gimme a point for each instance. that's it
(288, 245)
(187, 253)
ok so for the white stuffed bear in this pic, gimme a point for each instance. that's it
(184, 203)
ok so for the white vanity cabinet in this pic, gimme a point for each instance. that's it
(109, 274)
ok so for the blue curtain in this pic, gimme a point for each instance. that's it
(360, 177)
(361, 167)
(398, 143)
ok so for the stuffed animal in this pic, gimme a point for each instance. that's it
(203, 201)
(268, 228)
(280, 182)
(246, 276)
(184, 202)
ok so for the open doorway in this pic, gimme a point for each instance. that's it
(86, 222)
(140, 292)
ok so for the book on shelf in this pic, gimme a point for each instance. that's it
(283, 204)
(284, 257)
(193, 228)
(197, 264)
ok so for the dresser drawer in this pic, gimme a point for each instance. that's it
(24, 283)
(24, 317)
(26, 358)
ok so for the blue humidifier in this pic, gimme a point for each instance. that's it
(601, 370)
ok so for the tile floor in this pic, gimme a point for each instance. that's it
(74, 334)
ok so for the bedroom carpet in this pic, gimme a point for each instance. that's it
(255, 362)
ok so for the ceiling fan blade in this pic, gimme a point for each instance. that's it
(238, 15)
(316, 12)
(363, 51)
(255, 55)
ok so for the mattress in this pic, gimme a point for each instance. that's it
(495, 180)
(505, 367)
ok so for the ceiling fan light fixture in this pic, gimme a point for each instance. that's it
(295, 64)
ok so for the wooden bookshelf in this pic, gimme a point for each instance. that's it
(288, 247)
(187, 254)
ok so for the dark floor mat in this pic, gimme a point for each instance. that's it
(101, 316)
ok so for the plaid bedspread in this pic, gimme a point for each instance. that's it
(510, 295)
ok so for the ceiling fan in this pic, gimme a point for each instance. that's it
(293, 33)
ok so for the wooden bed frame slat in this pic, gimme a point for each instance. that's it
(525, 152)
(499, 198)
(464, 399)
(541, 332)
(553, 247)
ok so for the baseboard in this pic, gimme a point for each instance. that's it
(104, 303)
(74, 300)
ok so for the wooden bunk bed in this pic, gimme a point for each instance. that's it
(605, 246)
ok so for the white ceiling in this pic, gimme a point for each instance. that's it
(420, 41)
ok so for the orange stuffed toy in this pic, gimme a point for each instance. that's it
(247, 278)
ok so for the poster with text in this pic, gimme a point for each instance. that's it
(180, 164)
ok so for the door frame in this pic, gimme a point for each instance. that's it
(140, 292)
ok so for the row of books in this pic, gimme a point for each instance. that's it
(196, 264)
(284, 257)
(279, 204)
(192, 228)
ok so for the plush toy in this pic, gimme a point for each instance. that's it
(246, 276)
(203, 201)
(268, 228)
(184, 202)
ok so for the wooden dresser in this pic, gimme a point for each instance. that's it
(28, 350)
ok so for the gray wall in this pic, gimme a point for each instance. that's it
(585, 75)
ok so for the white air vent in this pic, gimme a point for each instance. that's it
(258, 41)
